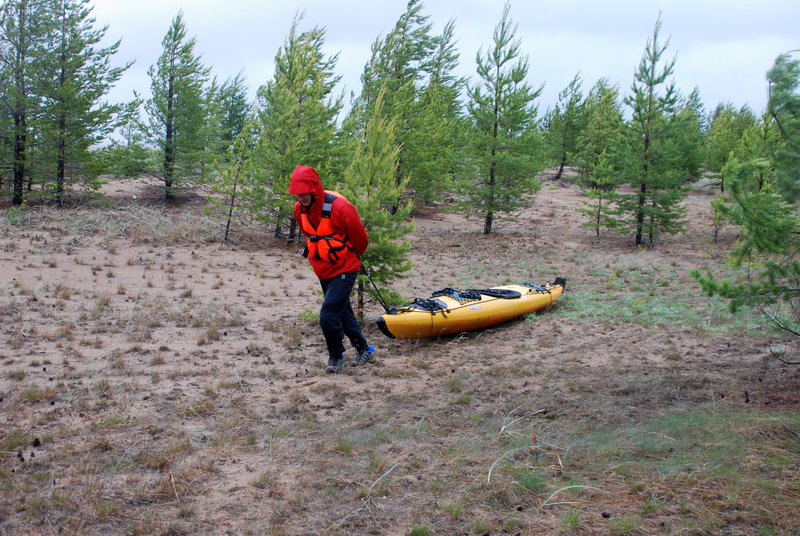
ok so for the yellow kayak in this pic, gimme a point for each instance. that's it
(452, 311)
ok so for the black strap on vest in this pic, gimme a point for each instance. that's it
(327, 205)
(333, 251)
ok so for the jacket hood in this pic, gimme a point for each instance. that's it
(305, 180)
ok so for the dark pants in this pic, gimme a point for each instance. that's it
(336, 317)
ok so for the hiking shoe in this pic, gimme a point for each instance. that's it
(334, 365)
(364, 357)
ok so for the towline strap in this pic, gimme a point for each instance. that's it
(378, 297)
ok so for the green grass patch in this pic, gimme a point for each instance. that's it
(659, 309)
(655, 296)
(531, 479)
(310, 316)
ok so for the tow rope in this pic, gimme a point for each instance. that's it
(378, 297)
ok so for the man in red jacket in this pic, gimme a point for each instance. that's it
(335, 241)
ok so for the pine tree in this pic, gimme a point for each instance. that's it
(784, 116)
(176, 111)
(400, 67)
(564, 125)
(235, 109)
(600, 188)
(725, 135)
(604, 126)
(600, 155)
(762, 203)
(6, 145)
(504, 134)
(768, 244)
(235, 169)
(370, 184)
(210, 131)
(658, 170)
(24, 25)
(398, 62)
(689, 124)
(756, 144)
(604, 129)
(297, 112)
(227, 108)
(75, 118)
(725, 131)
(435, 134)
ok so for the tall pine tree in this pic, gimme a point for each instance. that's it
(75, 118)
(504, 131)
(297, 112)
(658, 169)
(564, 125)
(176, 111)
(235, 108)
(689, 124)
(400, 66)
(434, 139)
(24, 25)
(600, 155)
(370, 184)
(763, 204)
(226, 108)
(784, 116)
(235, 170)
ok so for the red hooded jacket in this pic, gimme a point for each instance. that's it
(344, 220)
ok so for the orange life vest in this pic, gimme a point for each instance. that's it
(322, 243)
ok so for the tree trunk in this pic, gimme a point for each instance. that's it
(563, 155)
(169, 153)
(60, 177)
(487, 223)
(561, 167)
(231, 202)
(20, 111)
(62, 158)
(643, 188)
(61, 140)
(599, 213)
(20, 137)
(640, 214)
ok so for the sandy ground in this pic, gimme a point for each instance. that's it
(179, 380)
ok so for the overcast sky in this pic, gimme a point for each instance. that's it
(723, 47)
